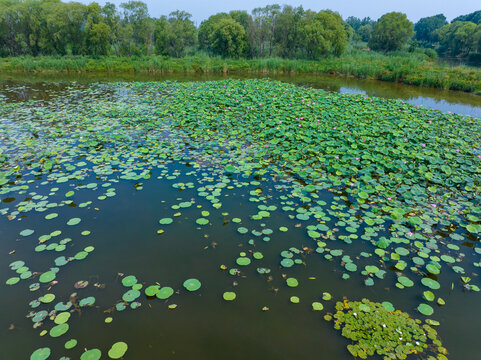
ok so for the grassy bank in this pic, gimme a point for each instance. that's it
(394, 68)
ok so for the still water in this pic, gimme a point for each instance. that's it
(23, 87)
(203, 326)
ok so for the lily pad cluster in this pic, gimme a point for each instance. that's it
(376, 329)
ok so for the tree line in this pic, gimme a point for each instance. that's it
(51, 27)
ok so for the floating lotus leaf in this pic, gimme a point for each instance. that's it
(12, 280)
(428, 295)
(62, 318)
(350, 267)
(229, 295)
(372, 269)
(287, 263)
(152, 290)
(88, 301)
(257, 255)
(131, 295)
(430, 283)
(92, 354)
(165, 292)
(294, 299)
(129, 281)
(118, 350)
(59, 330)
(26, 232)
(292, 282)
(202, 221)
(405, 281)
(40, 354)
(70, 344)
(243, 261)
(192, 284)
(47, 277)
(425, 309)
(73, 221)
(47, 298)
(242, 230)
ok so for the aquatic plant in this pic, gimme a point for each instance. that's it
(400, 182)
(375, 329)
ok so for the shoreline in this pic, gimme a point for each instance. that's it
(394, 69)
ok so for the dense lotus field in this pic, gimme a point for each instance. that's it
(383, 193)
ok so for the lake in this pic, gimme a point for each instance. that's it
(111, 187)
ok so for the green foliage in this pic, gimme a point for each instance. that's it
(228, 38)
(365, 32)
(426, 28)
(357, 23)
(288, 32)
(324, 34)
(391, 32)
(474, 17)
(408, 68)
(460, 38)
(375, 330)
(207, 27)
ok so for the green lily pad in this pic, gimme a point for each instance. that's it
(294, 299)
(129, 281)
(229, 295)
(425, 309)
(47, 277)
(430, 283)
(62, 318)
(165, 293)
(192, 284)
(202, 221)
(166, 221)
(243, 261)
(92, 354)
(292, 282)
(118, 350)
(152, 290)
(41, 354)
(73, 221)
(59, 330)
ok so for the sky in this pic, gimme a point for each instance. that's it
(415, 9)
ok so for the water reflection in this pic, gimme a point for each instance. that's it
(23, 87)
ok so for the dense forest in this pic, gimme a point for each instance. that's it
(51, 27)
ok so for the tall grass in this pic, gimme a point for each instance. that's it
(411, 69)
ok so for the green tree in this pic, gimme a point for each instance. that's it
(135, 27)
(97, 32)
(391, 32)
(183, 32)
(112, 19)
(460, 38)
(365, 32)
(323, 34)
(228, 38)
(427, 28)
(243, 18)
(474, 17)
(266, 20)
(207, 27)
(162, 36)
(288, 31)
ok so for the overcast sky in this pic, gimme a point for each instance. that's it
(415, 9)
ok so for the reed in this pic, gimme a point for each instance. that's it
(414, 69)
